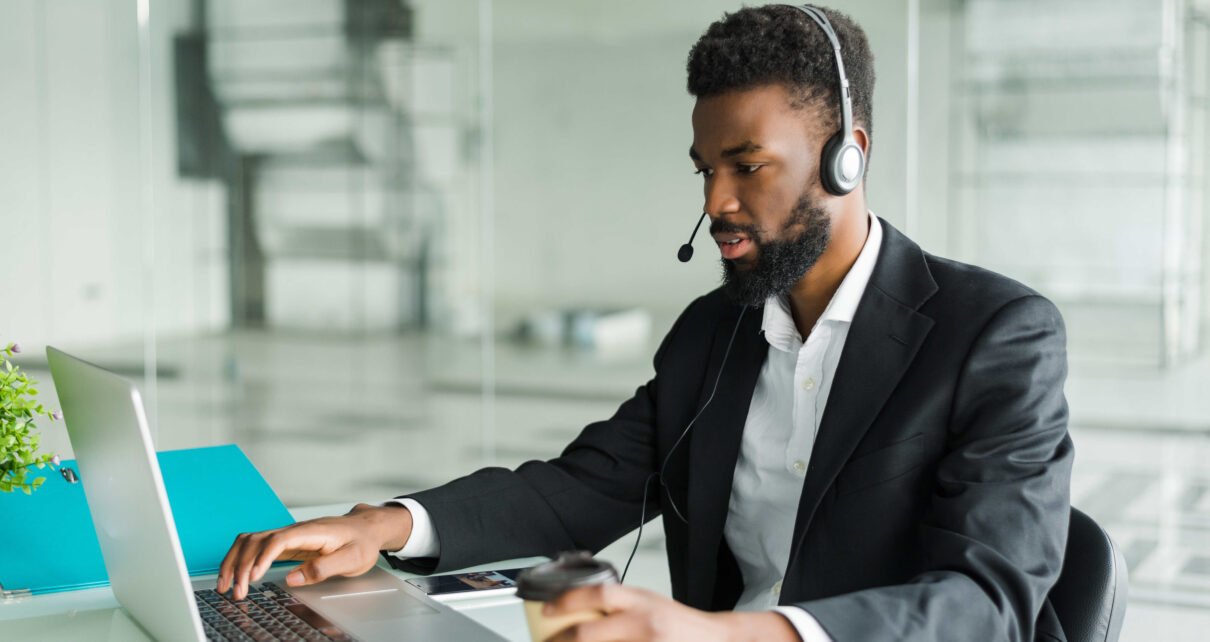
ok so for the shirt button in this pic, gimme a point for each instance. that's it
(777, 588)
(808, 384)
(800, 466)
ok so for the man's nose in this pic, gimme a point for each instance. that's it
(720, 196)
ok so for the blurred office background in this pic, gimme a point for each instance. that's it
(379, 243)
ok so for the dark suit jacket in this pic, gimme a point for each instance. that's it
(936, 502)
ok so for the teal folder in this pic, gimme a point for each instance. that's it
(47, 541)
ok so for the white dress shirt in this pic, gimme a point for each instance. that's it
(775, 453)
(779, 436)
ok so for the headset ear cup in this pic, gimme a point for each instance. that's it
(829, 166)
(830, 173)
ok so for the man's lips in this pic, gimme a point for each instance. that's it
(732, 246)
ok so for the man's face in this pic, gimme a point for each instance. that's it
(759, 159)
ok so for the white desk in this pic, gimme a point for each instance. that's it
(94, 614)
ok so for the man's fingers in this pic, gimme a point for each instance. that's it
(348, 560)
(296, 543)
(251, 555)
(261, 549)
(226, 569)
(620, 626)
(297, 556)
(606, 598)
(243, 564)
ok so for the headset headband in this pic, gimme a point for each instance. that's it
(846, 103)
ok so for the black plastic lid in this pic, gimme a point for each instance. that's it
(548, 581)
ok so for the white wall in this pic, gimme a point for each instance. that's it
(83, 264)
(594, 189)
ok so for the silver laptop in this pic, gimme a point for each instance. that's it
(121, 476)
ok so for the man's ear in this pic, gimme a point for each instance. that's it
(862, 138)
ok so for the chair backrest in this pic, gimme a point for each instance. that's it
(1090, 596)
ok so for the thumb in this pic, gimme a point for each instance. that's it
(343, 561)
(298, 577)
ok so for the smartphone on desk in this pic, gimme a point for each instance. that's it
(468, 585)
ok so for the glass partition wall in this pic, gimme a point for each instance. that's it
(357, 131)
(1078, 164)
(260, 212)
(379, 243)
(1074, 159)
(81, 242)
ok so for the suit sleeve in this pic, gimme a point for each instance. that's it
(996, 526)
(586, 498)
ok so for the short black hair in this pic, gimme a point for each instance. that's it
(779, 44)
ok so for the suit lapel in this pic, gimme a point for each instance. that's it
(714, 444)
(883, 340)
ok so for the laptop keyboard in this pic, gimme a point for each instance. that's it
(268, 613)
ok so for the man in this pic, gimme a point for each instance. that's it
(850, 440)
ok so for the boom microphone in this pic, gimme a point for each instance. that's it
(686, 251)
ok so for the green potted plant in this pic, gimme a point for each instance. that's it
(18, 433)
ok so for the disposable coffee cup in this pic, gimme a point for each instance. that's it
(546, 582)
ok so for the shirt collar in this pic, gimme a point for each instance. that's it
(778, 324)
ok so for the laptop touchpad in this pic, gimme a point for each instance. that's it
(368, 606)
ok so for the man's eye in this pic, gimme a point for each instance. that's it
(704, 172)
(748, 169)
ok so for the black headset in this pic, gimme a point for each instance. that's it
(842, 164)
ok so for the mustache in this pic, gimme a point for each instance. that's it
(720, 226)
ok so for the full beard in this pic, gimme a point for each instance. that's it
(780, 263)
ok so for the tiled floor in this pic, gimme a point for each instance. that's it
(346, 419)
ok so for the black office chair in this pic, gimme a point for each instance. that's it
(1090, 596)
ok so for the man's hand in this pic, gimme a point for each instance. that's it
(327, 546)
(636, 614)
